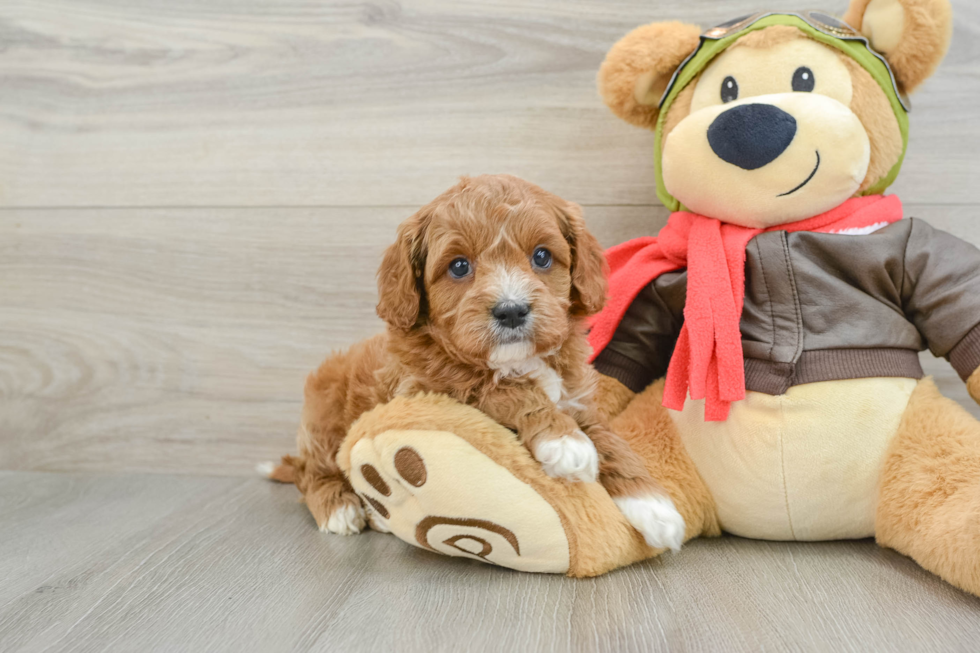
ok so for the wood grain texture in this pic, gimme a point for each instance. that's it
(301, 103)
(178, 340)
(178, 563)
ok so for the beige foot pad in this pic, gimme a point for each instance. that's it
(444, 477)
(436, 491)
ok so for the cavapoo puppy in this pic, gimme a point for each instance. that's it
(485, 294)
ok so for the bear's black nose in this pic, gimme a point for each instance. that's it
(751, 135)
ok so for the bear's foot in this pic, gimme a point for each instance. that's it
(444, 477)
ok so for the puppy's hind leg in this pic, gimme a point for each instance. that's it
(326, 492)
(327, 415)
(333, 504)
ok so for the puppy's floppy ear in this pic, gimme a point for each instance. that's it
(589, 266)
(912, 34)
(401, 287)
(637, 69)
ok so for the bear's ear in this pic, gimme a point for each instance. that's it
(912, 34)
(637, 69)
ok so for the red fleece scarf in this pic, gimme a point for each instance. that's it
(707, 360)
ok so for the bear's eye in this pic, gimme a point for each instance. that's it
(803, 80)
(729, 89)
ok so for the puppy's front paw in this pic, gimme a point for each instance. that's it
(572, 457)
(348, 519)
(656, 518)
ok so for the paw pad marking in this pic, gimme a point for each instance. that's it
(409, 464)
(427, 524)
(373, 478)
(486, 547)
(377, 505)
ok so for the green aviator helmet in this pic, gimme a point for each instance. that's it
(819, 27)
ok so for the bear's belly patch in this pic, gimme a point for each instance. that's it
(799, 466)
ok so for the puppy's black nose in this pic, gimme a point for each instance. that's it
(751, 135)
(510, 314)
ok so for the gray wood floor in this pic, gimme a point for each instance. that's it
(193, 198)
(199, 563)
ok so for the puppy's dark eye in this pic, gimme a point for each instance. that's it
(803, 80)
(729, 89)
(541, 258)
(459, 268)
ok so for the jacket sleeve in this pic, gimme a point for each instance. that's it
(641, 347)
(941, 294)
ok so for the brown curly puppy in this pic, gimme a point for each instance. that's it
(485, 293)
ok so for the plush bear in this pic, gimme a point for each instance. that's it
(760, 354)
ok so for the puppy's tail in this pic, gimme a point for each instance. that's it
(285, 472)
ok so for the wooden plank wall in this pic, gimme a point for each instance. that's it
(194, 194)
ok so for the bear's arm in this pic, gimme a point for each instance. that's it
(973, 385)
(640, 349)
(941, 295)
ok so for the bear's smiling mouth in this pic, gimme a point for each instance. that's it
(806, 181)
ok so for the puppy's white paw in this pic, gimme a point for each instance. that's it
(572, 457)
(346, 520)
(656, 518)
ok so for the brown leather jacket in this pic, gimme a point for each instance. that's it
(822, 307)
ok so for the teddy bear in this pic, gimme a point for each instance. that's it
(761, 353)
